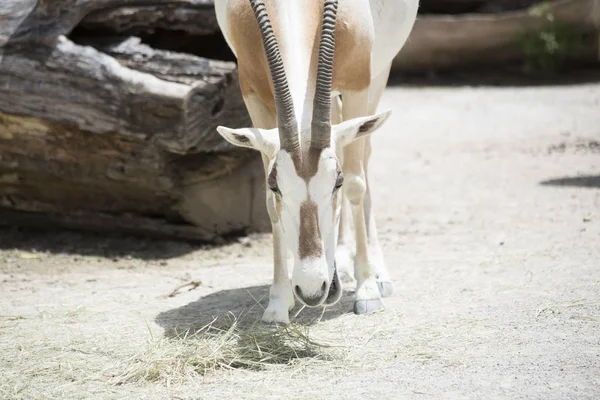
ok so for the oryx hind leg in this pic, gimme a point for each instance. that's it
(383, 280)
(370, 271)
(281, 297)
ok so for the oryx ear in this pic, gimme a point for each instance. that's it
(355, 128)
(264, 140)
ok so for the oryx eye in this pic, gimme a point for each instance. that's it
(339, 181)
(275, 189)
(272, 182)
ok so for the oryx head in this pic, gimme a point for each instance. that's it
(305, 178)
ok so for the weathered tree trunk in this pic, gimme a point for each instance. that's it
(43, 21)
(194, 17)
(108, 127)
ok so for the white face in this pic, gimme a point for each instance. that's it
(305, 189)
(304, 197)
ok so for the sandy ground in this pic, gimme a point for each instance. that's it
(488, 205)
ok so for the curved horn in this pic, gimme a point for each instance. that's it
(286, 119)
(321, 120)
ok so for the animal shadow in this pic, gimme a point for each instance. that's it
(113, 246)
(242, 306)
(587, 181)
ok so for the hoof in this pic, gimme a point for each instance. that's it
(385, 288)
(281, 301)
(274, 316)
(368, 306)
(273, 325)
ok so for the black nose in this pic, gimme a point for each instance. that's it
(315, 299)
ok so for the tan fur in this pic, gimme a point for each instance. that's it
(352, 60)
(307, 163)
(253, 68)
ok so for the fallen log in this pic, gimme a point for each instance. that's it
(452, 41)
(110, 134)
(175, 100)
(196, 17)
(43, 21)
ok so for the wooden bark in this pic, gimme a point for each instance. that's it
(191, 16)
(171, 99)
(44, 21)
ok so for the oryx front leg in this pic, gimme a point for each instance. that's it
(281, 297)
(345, 249)
(369, 269)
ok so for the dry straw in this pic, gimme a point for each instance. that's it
(225, 343)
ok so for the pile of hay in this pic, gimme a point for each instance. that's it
(226, 343)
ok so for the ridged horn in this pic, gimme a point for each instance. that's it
(286, 119)
(321, 120)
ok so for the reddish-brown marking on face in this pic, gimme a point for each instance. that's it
(309, 241)
(306, 163)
